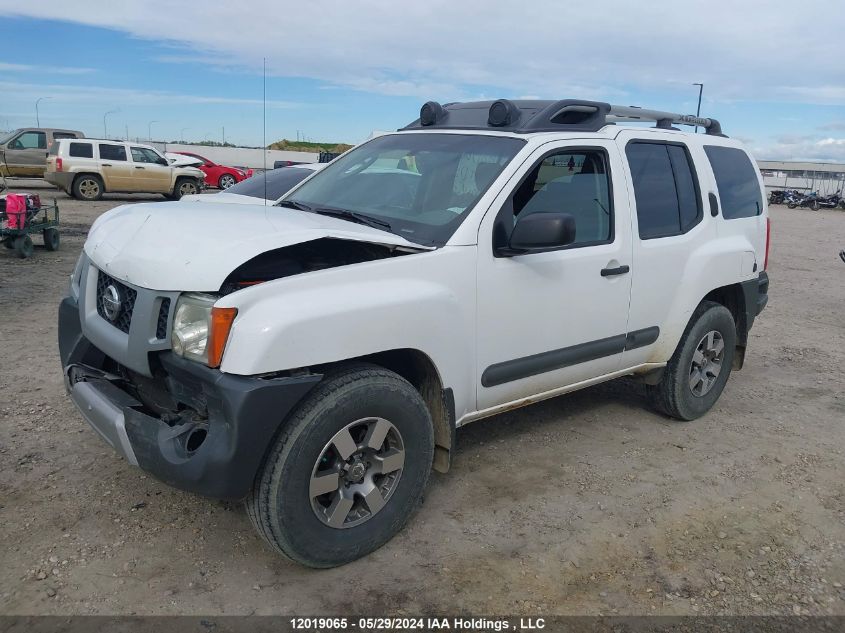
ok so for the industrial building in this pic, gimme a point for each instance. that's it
(826, 178)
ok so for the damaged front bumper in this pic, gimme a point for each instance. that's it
(213, 441)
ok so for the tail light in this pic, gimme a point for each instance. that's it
(768, 238)
(58, 164)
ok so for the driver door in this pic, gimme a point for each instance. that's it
(149, 172)
(549, 320)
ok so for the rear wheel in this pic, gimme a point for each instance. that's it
(348, 469)
(24, 247)
(226, 181)
(51, 239)
(87, 187)
(697, 372)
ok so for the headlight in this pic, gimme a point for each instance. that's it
(200, 330)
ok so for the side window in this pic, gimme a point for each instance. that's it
(81, 150)
(144, 155)
(736, 179)
(112, 152)
(574, 182)
(665, 189)
(30, 140)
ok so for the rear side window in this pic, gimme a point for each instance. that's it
(665, 189)
(81, 150)
(112, 152)
(58, 135)
(736, 179)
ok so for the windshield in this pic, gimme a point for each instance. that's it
(279, 182)
(421, 185)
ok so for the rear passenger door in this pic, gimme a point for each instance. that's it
(669, 227)
(115, 168)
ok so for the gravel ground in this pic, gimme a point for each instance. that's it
(584, 504)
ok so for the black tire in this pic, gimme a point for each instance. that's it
(9, 243)
(814, 205)
(674, 395)
(184, 187)
(51, 239)
(280, 505)
(24, 248)
(87, 187)
(226, 181)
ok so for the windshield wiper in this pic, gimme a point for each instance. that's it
(293, 204)
(352, 216)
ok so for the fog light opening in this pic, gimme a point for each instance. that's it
(195, 439)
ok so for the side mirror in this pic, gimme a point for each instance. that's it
(541, 232)
(162, 161)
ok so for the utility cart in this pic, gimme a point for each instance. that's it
(16, 227)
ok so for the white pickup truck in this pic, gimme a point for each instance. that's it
(315, 357)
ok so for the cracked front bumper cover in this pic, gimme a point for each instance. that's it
(243, 415)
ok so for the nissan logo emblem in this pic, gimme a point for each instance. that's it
(111, 302)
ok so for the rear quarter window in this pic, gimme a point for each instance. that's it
(81, 150)
(736, 180)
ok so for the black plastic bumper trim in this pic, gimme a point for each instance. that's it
(244, 414)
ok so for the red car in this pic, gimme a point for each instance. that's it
(219, 175)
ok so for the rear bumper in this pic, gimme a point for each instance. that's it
(756, 295)
(213, 445)
(61, 179)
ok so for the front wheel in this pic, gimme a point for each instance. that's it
(347, 470)
(697, 372)
(226, 181)
(184, 187)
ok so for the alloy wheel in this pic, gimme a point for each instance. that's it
(706, 363)
(89, 188)
(357, 472)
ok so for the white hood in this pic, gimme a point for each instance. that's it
(180, 160)
(194, 246)
(225, 198)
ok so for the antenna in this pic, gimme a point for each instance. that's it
(264, 138)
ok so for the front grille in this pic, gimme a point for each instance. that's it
(163, 312)
(127, 301)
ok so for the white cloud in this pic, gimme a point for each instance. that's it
(44, 70)
(806, 148)
(446, 50)
(102, 95)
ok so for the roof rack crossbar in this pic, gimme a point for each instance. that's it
(633, 113)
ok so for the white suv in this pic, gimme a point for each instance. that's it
(316, 357)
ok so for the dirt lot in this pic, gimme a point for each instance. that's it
(585, 504)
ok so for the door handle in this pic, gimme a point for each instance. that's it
(619, 270)
(106, 165)
(138, 167)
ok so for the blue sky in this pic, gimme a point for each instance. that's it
(339, 70)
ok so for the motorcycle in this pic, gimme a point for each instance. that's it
(829, 202)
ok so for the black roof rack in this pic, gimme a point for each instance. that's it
(567, 115)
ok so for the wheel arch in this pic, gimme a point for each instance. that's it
(733, 297)
(88, 173)
(418, 369)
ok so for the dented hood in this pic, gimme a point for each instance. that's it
(194, 246)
